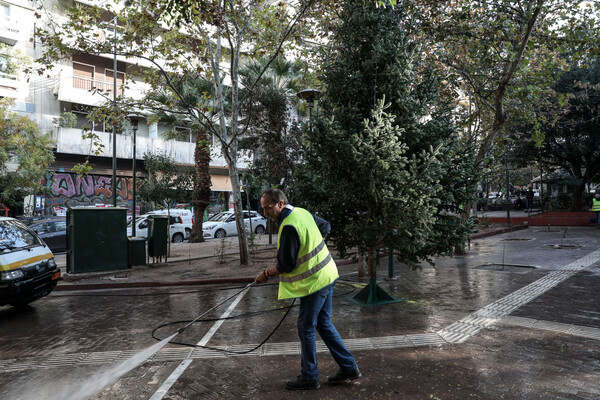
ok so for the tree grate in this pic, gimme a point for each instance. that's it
(563, 246)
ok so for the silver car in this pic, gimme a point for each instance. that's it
(223, 224)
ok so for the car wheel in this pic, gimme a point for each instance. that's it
(178, 238)
(259, 230)
(188, 233)
(220, 234)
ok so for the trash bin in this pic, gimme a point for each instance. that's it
(158, 226)
(96, 239)
(136, 251)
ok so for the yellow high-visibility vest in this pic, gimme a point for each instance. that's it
(315, 267)
(596, 205)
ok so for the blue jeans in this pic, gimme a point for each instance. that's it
(315, 313)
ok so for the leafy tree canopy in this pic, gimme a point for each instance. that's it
(25, 155)
(502, 55)
(168, 183)
(571, 137)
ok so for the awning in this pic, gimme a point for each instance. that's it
(220, 183)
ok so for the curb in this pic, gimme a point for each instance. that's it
(150, 284)
(499, 231)
(154, 284)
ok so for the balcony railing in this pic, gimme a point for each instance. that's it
(11, 86)
(77, 89)
(80, 82)
(9, 30)
(69, 141)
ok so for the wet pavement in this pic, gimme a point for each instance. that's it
(517, 317)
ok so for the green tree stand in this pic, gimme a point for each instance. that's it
(373, 295)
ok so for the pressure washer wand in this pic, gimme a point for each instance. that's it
(206, 312)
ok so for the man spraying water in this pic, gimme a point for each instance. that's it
(307, 271)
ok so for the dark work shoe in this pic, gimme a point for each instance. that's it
(300, 383)
(343, 376)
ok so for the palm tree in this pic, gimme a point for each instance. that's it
(266, 104)
(281, 75)
(173, 108)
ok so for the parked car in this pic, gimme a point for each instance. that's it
(176, 228)
(27, 267)
(187, 218)
(223, 224)
(53, 231)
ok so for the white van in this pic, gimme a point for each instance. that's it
(27, 267)
(186, 218)
(176, 228)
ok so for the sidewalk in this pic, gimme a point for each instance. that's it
(197, 263)
(539, 218)
(188, 264)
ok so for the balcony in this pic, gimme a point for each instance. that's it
(69, 141)
(11, 86)
(9, 31)
(80, 90)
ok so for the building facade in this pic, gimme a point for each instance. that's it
(69, 88)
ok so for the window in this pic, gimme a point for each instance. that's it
(60, 226)
(13, 236)
(109, 81)
(185, 134)
(4, 12)
(83, 76)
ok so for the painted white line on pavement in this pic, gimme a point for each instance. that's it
(164, 388)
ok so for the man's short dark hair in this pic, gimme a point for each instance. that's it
(276, 195)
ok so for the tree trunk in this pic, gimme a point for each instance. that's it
(201, 197)
(507, 75)
(239, 217)
(577, 203)
(362, 264)
(372, 262)
(238, 211)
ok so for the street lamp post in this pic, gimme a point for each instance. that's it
(310, 96)
(114, 132)
(134, 126)
(507, 187)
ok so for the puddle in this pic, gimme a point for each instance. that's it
(521, 269)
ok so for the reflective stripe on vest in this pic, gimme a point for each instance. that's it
(302, 260)
(314, 267)
(308, 273)
(595, 205)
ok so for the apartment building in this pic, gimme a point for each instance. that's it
(68, 88)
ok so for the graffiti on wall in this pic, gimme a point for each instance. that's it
(68, 190)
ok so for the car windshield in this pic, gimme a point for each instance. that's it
(219, 217)
(15, 236)
(138, 219)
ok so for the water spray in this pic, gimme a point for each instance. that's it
(104, 378)
(216, 306)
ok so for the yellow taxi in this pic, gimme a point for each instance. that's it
(27, 267)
